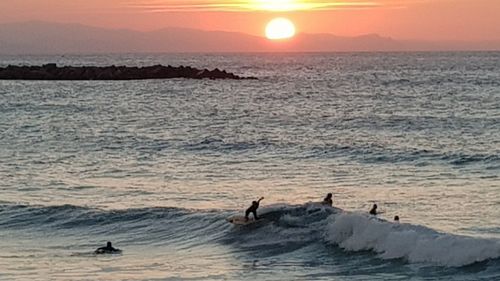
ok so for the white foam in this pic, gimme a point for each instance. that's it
(417, 244)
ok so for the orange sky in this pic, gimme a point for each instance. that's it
(467, 20)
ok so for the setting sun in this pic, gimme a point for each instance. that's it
(280, 28)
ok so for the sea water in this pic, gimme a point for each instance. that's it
(156, 166)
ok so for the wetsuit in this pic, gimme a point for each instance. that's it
(328, 201)
(252, 209)
(373, 211)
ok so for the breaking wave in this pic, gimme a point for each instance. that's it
(284, 229)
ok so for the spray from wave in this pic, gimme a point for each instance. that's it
(416, 244)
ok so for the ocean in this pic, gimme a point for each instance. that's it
(156, 167)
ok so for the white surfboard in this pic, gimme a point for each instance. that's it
(240, 220)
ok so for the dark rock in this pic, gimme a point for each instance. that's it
(52, 72)
(50, 66)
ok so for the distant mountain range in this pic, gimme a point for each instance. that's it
(58, 38)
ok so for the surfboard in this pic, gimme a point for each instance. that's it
(240, 220)
(318, 204)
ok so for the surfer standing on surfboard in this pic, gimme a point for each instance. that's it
(253, 209)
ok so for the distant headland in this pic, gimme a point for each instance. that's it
(53, 72)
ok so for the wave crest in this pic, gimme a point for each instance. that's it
(416, 244)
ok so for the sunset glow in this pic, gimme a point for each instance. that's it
(280, 28)
(428, 20)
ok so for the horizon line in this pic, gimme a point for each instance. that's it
(420, 40)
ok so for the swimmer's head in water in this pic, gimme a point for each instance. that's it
(108, 244)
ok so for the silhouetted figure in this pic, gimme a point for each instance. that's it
(396, 218)
(107, 250)
(253, 209)
(373, 211)
(328, 200)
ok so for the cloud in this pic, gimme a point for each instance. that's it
(252, 5)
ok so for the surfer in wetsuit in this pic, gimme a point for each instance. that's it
(107, 250)
(253, 209)
(328, 200)
(373, 211)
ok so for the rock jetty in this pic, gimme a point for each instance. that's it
(53, 72)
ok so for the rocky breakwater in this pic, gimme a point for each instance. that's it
(53, 72)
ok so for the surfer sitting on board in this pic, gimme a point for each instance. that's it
(328, 200)
(107, 250)
(253, 209)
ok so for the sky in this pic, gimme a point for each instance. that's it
(462, 20)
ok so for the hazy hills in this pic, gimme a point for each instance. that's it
(56, 38)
